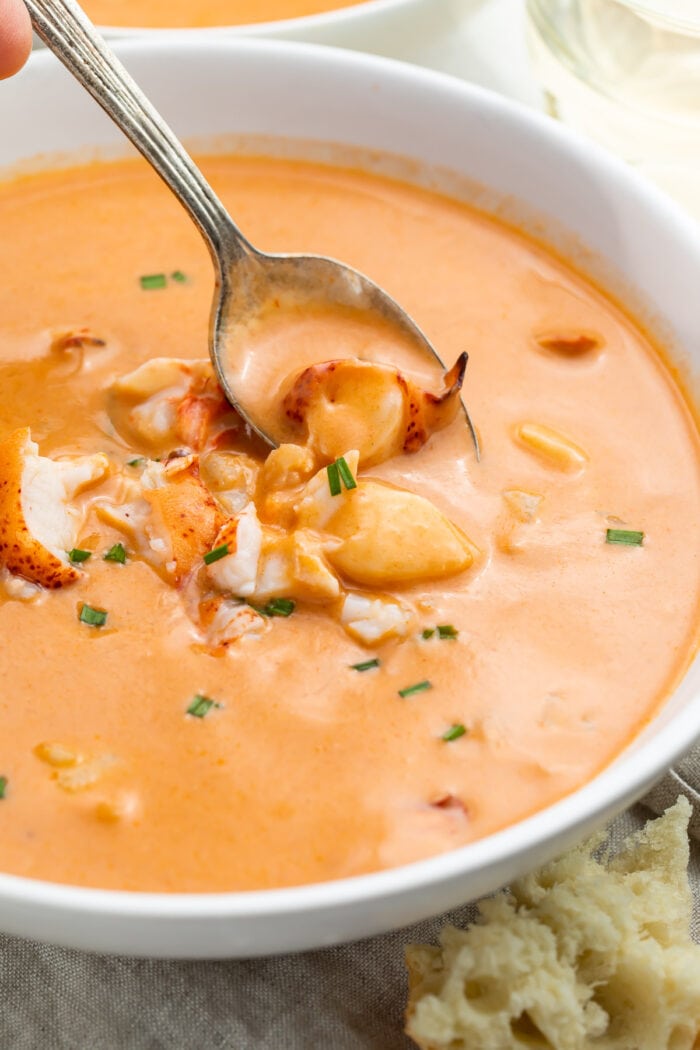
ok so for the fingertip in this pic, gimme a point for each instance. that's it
(15, 37)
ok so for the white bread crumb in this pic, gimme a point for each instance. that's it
(583, 954)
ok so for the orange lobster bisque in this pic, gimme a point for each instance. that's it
(227, 670)
(191, 13)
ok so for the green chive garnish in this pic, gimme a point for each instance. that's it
(92, 617)
(279, 607)
(116, 553)
(446, 630)
(201, 705)
(3, 786)
(454, 732)
(150, 281)
(334, 479)
(626, 537)
(76, 555)
(178, 276)
(218, 552)
(419, 687)
(340, 472)
(136, 462)
(366, 665)
(345, 473)
(428, 633)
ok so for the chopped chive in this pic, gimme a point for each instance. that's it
(334, 479)
(116, 553)
(454, 732)
(428, 633)
(77, 555)
(92, 617)
(366, 665)
(151, 281)
(339, 472)
(446, 630)
(214, 555)
(626, 537)
(178, 276)
(3, 786)
(136, 462)
(275, 607)
(419, 687)
(279, 607)
(345, 473)
(201, 705)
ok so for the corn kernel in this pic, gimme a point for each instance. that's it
(510, 540)
(108, 812)
(550, 445)
(57, 755)
(524, 505)
(124, 805)
(85, 774)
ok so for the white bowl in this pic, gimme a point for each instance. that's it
(630, 234)
(397, 28)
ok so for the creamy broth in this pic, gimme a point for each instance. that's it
(311, 770)
(285, 339)
(182, 14)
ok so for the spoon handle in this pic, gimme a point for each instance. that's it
(66, 30)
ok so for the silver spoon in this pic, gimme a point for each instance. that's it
(246, 278)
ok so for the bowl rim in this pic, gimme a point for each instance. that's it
(344, 15)
(621, 782)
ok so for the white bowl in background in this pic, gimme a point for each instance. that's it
(631, 235)
(404, 29)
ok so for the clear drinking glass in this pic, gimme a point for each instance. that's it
(627, 72)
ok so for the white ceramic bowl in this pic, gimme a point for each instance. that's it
(631, 235)
(398, 28)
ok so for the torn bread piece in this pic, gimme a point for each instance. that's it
(38, 523)
(351, 403)
(582, 955)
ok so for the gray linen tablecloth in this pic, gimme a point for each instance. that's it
(346, 998)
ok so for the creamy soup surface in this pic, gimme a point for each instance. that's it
(182, 14)
(169, 725)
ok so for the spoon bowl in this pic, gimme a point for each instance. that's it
(255, 280)
(246, 279)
